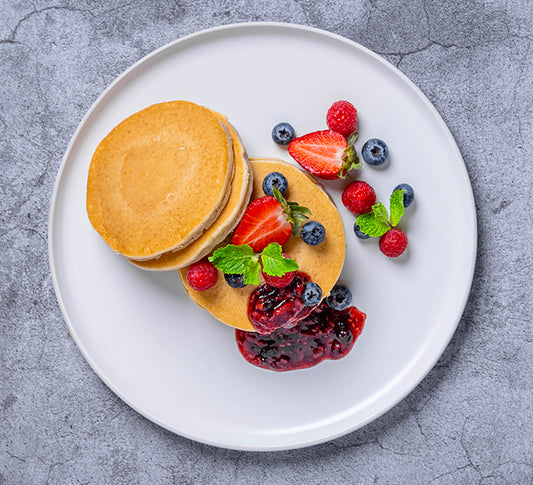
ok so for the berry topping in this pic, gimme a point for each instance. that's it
(408, 194)
(313, 233)
(235, 280)
(360, 234)
(270, 308)
(393, 243)
(202, 275)
(375, 152)
(275, 179)
(283, 134)
(269, 219)
(326, 154)
(279, 281)
(312, 295)
(359, 197)
(342, 118)
(340, 297)
(324, 334)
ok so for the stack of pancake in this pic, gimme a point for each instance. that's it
(168, 184)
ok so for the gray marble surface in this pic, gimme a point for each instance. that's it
(469, 421)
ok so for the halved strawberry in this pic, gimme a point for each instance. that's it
(326, 154)
(269, 219)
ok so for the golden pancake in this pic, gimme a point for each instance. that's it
(323, 263)
(159, 178)
(241, 189)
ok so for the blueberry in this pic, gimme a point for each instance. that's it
(235, 280)
(275, 179)
(408, 195)
(283, 134)
(312, 294)
(375, 152)
(313, 233)
(358, 233)
(339, 298)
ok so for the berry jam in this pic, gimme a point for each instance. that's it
(324, 334)
(270, 308)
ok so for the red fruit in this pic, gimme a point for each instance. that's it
(202, 275)
(279, 281)
(342, 118)
(393, 243)
(264, 222)
(326, 154)
(359, 197)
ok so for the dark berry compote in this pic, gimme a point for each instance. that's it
(270, 308)
(324, 334)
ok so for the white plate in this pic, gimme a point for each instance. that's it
(175, 364)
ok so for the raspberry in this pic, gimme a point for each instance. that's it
(202, 275)
(393, 243)
(342, 118)
(359, 197)
(279, 281)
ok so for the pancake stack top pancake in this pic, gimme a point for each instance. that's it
(159, 179)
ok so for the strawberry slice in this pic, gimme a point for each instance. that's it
(326, 154)
(269, 219)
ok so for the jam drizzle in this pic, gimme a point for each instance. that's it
(324, 334)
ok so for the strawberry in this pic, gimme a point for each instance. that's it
(269, 219)
(326, 154)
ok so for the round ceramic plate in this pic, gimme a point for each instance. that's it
(174, 363)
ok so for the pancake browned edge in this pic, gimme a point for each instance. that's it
(159, 178)
(241, 190)
(323, 263)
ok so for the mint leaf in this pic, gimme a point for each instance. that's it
(240, 259)
(396, 207)
(251, 272)
(380, 213)
(370, 225)
(274, 263)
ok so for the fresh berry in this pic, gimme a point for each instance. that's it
(326, 154)
(269, 219)
(312, 295)
(375, 152)
(342, 118)
(270, 308)
(283, 134)
(263, 222)
(313, 233)
(408, 195)
(359, 197)
(393, 243)
(359, 233)
(202, 275)
(340, 297)
(279, 281)
(235, 280)
(324, 334)
(275, 179)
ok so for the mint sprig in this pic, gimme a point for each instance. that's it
(274, 263)
(377, 222)
(241, 259)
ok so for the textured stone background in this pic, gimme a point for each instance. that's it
(469, 421)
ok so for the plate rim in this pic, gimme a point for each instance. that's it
(269, 25)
